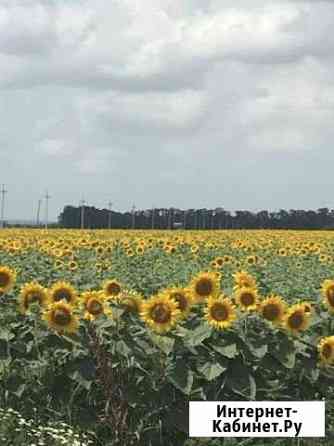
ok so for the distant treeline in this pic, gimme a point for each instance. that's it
(219, 218)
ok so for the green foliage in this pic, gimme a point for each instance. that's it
(132, 386)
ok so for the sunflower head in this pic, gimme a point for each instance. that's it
(307, 306)
(296, 319)
(220, 312)
(131, 301)
(112, 289)
(160, 313)
(183, 298)
(73, 265)
(244, 279)
(327, 289)
(204, 285)
(272, 309)
(326, 350)
(219, 261)
(33, 293)
(7, 279)
(94, 303)
(252, 260)
(63, 291)
(60, 318)
(247, 298)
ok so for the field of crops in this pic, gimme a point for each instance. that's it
(113, 332)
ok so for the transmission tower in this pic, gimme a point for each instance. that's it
(3, 193)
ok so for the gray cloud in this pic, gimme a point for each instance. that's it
(166, 103)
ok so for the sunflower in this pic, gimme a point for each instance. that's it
(204, 285)
(7, 279)
(63, 291)
(252, 260)
(307, 306)
(129, 252)
(183, 298)
(282, 252)
(131, 301)
(327, 289)
(219, 261)
(243, 279)
(31, 293)
(73, 265)
(112, 288)
(227, 259)
(94, 304)
(247, 298)
(60, 317)
(140, 250)
(220, 312)
(326, 350)
(296, 319)
(160, 313)
(272, 309)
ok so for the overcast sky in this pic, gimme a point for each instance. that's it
(192, 103)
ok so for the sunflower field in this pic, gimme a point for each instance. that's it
(114, 332)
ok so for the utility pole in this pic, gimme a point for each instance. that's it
(184, 219)
(133, 212)
(109, 214)
(153, 215)
(3, 193)
(169, 224)
(203, 213)
(38, 212)
(213, 214)
(82, 204)
(47, 198)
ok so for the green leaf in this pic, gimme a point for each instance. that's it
(211, 370)
(164, 343)
(197, 336)
(230, 351)
(77, 377)
(284, 351)
(258, 348)
(6, 335)
(123, 349)
(240, 380)
(180, 376)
